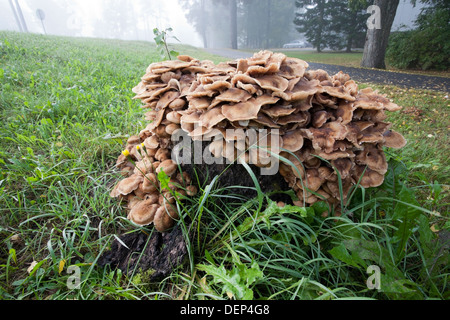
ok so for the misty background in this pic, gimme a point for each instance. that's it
(261, 23)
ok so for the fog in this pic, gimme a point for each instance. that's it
(129, 20)
(135, 19)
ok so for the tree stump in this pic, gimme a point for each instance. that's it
(163, 252)
(159, 252)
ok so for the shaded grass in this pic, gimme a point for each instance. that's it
(67, 109)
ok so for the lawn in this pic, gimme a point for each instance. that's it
(352, 59)
(67, 109)
(349, 59)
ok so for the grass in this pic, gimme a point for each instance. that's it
(66, 108)
(350, 59)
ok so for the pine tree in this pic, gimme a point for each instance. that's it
(330, 24)
(313, 19)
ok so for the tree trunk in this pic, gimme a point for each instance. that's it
(233, 22)
(349, 44)
(268, 24)
(351, 31)
(320, 27)
(204, 23)
(377, 39)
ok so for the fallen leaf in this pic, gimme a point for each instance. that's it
(31, 267)
(61, 266)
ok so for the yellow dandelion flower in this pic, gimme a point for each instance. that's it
(138, 147)
(126, 153)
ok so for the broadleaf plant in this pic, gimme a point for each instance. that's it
(161, 37)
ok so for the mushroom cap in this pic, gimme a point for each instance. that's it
(343, 166)
(373, 157)
(371, 100)
(272, 82)
(177, 104)
(143, 212)
(302, 118)
(323, 138)
(345, 112)
(241, 111)
(275, 111)
(128, 185)
(319, 118)
(339, 92)
(235, 95)
(199, 132)
(302, 90)
(150, 183)
(293, 68)
(370, 179)
(293, 140)
(393, 139)
(211, 117)
(171, 128)
(191, 190)
(265, 121)
(162, 154)
(168, 166)
(151, 142)
(166, 99)
(216, 147)
(199, 103)
(312, 181)
(174, 117)
(164, 217)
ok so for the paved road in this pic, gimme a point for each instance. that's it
(363, 75)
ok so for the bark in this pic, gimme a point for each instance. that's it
(320, 27)
(269, 4)
(204, 23)
(351, 32)
(377, 39)
(159, 253)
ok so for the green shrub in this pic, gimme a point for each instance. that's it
(427, 46)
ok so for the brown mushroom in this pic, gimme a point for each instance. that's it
(323, 121)
(241, 111)
(150, 183)
(367, 177)
(293, 140)
(164, 217)
(168, 166)
(373, 157)
(127, 185)
(143, 212)
(211, 117)
(393, 139)
(191, 190)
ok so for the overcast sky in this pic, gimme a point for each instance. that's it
(80, 18)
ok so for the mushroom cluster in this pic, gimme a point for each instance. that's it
(326, 132)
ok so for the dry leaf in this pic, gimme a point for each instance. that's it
(61, 266)
(31, 267)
